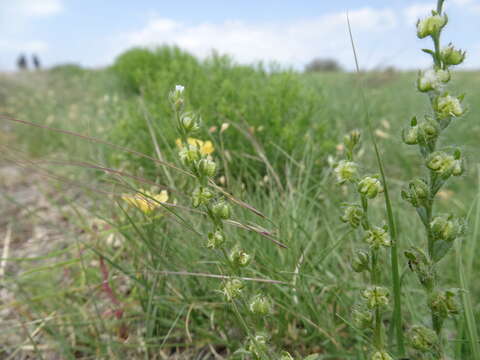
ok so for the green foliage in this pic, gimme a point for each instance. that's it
(273, 107)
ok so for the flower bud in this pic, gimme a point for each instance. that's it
(381, 355)
(432, 79)
(422, 338)
(418, 193)
(446, 227)
(353, 215)
(369, 187)
(361, 261)
(189, 122)
(176, 97)
(215, 239)
(441, 163)
(362, 319)
(443, 304)
(221, 210)
(207, 167)
(452, 56)
(431, 25)
(446, 106)
(260, 305)
(346, 171)
(239, 258)
(201, 196)
(410, 135)
(232, 289)
(189, 154)
(377, 237)
(376, 296)
(352, 139)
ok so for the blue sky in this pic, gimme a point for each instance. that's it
(93, 33)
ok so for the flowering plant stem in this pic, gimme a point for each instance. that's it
(396, 283)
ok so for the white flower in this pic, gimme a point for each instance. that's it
(179, 89)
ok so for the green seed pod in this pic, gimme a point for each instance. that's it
(377, 237)
(452, 56)
(442, 163)
(417, 194)
(363, 319)
(189, 154)
(446, 227)
(215, 239)
(232, 289)
(189, 122)
(207, 167)
(201, 196)
(361, 261)
(353, 215)
(422, 338)
(221, 210)
(431, 25)
(369, 187)
(239, 258)
(443, 304)
(260, 305)
(410, 135)
(376, 296)
(427, 131)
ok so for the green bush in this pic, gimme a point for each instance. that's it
(277, 106)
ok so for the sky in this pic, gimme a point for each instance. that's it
(287, 32)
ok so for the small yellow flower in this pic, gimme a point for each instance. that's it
(205, 147)
(148, 202)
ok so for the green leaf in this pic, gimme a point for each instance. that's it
(440, 249)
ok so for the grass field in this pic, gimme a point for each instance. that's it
(86, 275)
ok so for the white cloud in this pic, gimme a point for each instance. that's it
(462, 2)
(292, 43)
(416, 11)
